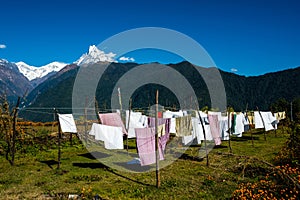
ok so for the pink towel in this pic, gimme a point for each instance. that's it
(112, 119)
(145, 140)
(214, 128)
(162, 141)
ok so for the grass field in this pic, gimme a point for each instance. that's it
(35, 174)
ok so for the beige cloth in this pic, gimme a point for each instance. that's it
(183, 126)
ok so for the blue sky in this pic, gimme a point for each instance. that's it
(253, 37)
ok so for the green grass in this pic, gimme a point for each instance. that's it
(35, 175)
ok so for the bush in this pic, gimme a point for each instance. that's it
(281, 182)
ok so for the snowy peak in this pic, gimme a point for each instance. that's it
(95, 55)
(32, 72)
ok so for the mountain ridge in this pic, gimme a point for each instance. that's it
(241, 91)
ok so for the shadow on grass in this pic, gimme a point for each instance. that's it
(244, 138)
(127, 178)
(91, 165)
(95, 155)
(250, 138)
(49, 163)
(189, 157)
(221, 147)
(100, 165)
(134, 167)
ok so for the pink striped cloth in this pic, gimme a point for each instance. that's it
(145, 140)
(214, 128)
(112, 119)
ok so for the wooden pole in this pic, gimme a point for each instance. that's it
(229, 131)
(59, 141)
(85, 120)
(156, 143)
(13, 149)
(274, 126)
(263, 123)
(97, 110)
(205, 144)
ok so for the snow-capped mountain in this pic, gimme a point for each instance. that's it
(95, 55)
(12, 82)
(32, 72)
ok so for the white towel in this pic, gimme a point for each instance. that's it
(111, 135)
(197, 129)
(224, 128)
(67, 123)
(239, 125)
(137, 120)
(257, 120)
(268, 119)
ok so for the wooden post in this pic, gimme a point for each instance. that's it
(156, 142)
(229, 130)
(263, 123)
(59, 141)
(97, 110)
(274, 125)
(85, 120)
(13, 148)
(205, 144)
(252, 137)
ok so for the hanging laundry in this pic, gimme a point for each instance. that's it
(163, 132)
(112, 119)
(233, 122)
(257, 120)
(214, 128)
(197, 131)
(172, 115)
(67, 123)
(246, 122)
(272, 120)
(239, 125)
(94, 130)
(187, 140)
(265, 120)
(280, 115)
(250, 119)
(112, 136)
(137, 120)
(219, 114)
(145, 140)
(206, 127)
(224, 128)
(183, 126)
